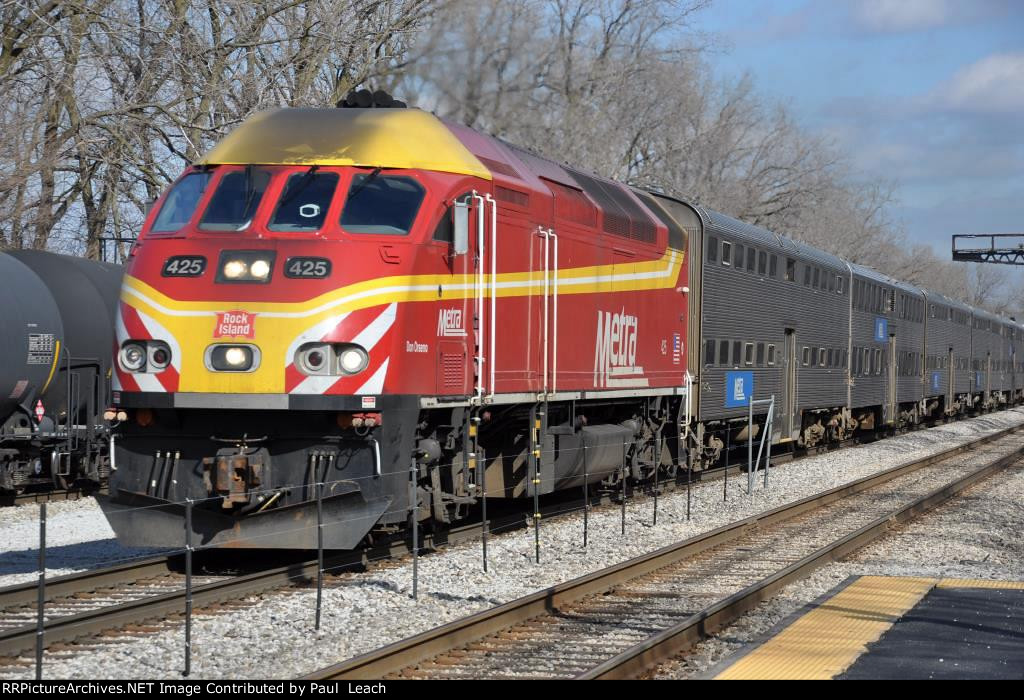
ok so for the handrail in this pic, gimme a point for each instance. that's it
(479, 325)
(494, 286)
(554, 324)
(547, 244)
(550, 321)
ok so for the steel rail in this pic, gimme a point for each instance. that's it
(413, 650)
(85, 581)
(67, 628)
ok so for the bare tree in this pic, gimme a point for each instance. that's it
(108, 99)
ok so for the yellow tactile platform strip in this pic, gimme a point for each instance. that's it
(825, 641)
(979, 583)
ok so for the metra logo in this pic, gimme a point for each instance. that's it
(615, 351)
(450, 323)
(235, 324)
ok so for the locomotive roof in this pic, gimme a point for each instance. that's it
(386, 138)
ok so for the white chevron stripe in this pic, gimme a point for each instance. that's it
(375, 384)
(146, 382)
(312, 335)
(367, 338)
(315, 384)
(158, 332)
(372, 334)
(121, 335)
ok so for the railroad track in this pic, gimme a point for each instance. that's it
(82, 605)
(89, 603)
(621, 621)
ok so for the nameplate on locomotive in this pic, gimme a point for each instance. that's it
(235, 324)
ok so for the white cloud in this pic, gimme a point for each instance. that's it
(902, 15)
(995, 84)
(898, 16)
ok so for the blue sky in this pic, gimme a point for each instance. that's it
(929, 93)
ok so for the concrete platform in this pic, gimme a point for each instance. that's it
(881, 627)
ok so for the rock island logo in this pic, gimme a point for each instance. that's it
(235, 324)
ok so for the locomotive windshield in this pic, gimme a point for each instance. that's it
(181, 203)
(381, 204)
(304, 203)
(237, 197)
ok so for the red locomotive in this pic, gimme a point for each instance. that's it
(332, 294)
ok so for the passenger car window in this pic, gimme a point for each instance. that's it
(726, 252)
(381, 204)
(712, 249)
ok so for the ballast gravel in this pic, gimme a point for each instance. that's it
(274, 637)
(77, 538)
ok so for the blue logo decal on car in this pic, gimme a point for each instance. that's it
(739, 388)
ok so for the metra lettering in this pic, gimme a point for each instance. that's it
(615, 350)
(235, 324)
(449, 323)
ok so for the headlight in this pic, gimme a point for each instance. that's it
(331, 359)
(236, 357)
(353, 359)
(234, 269)
(133, 357)
(252, 266)
(260, 269)
(232, 358)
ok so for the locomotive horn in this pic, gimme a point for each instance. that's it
(364, 98)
